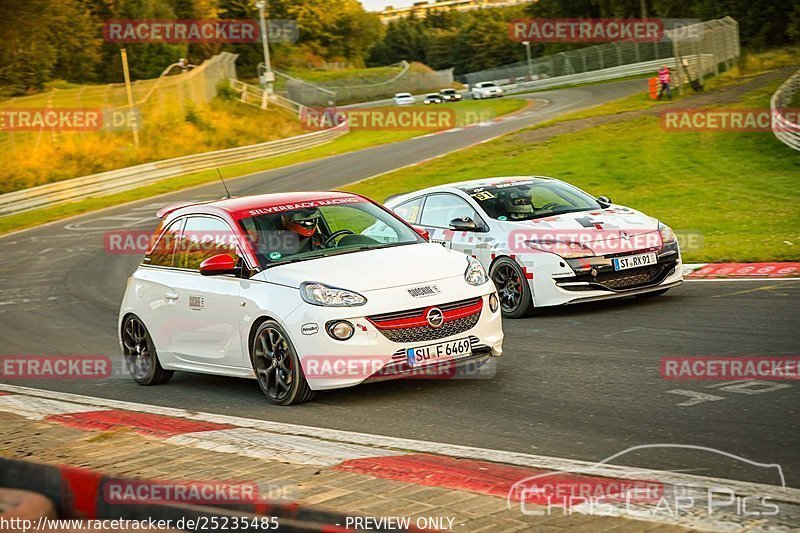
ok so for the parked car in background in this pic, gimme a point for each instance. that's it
(486, 89)
(450, 95)
(433, 98)
(404, 99)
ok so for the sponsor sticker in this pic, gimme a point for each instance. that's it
(424, 291)
(309, 329)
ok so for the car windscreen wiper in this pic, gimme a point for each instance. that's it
(295, 260)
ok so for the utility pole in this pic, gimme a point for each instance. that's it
(129, 90)
(643, 7)
(267, 77)
(528, 51)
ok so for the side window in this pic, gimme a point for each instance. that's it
(204, 237)
(163, 253)
(440, 209)
(409, 211)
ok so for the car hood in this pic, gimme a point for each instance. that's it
(614, 230)
(609, 220)
(373, 269)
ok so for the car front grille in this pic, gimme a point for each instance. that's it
(630, 278)
(427, 333)
(618, 280)
(411, 327)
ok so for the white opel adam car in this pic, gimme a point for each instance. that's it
(545, 242)
(287, 289)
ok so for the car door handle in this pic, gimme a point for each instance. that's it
(171, 295)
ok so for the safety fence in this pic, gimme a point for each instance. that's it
(412, 78)
(151, 97)
(785, 130)
(694, 51)
(132, 177)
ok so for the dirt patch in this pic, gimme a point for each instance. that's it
(724, 95)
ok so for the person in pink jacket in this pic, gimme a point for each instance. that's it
(664, 78)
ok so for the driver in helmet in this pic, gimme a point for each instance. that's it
(303, 225)
(517, 206)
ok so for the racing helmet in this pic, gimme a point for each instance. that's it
(303, 222)
(517, 205)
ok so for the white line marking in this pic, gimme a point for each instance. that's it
(35, 408)
(411, 445)
(275, 446)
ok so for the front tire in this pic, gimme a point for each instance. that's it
(140, 354)
(516, 300)
(277, 366)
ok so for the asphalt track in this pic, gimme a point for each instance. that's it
(581, 382)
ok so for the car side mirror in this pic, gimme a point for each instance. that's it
(464, 224)
(422, 232)
(218, 265)
(604, 200)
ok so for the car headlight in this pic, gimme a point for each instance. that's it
(667, 235)
(321, 294)
(565, 249)
(475, 274)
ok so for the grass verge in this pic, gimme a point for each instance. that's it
(738, 191)
(356, 140)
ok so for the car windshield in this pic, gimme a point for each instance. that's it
(448, 91)
(402, 95)
(487, 84)
(529, 199)
(433, 95)
(310, 230)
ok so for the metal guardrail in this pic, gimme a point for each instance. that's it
(610, 74)
(124, 179)
(258, 97)
(786, 131)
